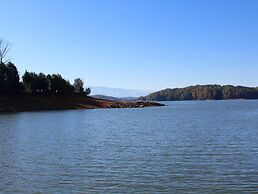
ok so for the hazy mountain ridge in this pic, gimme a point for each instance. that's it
(118, 92)
(103, 97)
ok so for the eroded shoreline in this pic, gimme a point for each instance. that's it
(45, 102)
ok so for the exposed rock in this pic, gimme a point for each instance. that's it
(138, 104)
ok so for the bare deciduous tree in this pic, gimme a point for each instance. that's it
(4, 49)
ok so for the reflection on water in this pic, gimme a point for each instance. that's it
(185, 147)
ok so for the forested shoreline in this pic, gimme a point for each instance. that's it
(30, 82)
(204, 92)
(39, 92)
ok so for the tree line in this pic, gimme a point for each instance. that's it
(204, 92)
(30, 82)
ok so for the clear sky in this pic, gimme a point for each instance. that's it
(136, 44)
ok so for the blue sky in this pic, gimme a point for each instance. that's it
(136, 44)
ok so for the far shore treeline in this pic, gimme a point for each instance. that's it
(30, 82)
(204, 92)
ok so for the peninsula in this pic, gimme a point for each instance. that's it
(39, 92)
(45, 102)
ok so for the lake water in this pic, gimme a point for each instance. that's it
(185, 147)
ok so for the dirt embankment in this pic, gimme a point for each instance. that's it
(39, 102)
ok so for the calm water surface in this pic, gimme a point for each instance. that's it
(185, 147)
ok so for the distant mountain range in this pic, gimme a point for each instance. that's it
(204, 92)
(103, 97)
(118, 92)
